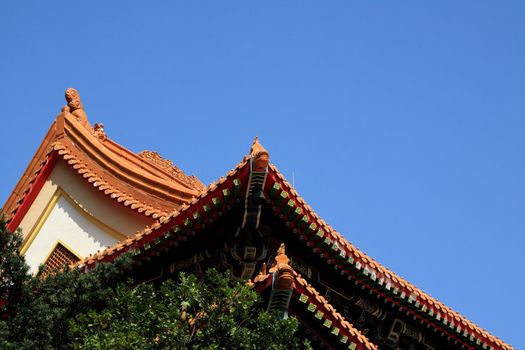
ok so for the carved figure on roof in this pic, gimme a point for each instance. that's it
(260, 156)
(74, 106)
(170, 168)
(98, 131)
(283, 272)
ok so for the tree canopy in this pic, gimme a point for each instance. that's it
(103, 309)
(215, 312)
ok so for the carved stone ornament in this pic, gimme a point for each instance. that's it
(283, 273)
(74, 106)
(98, 131)
(167, 166)
(260, 156)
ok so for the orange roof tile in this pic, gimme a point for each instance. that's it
(308, 294)
(167, 222)
(413, 295)
(388, 284)
(331, 313)
(144, 182)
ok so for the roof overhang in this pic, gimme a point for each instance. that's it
(339, 254)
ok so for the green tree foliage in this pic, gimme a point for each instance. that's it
(215, 312)
(37, 309)
(70, 309)
(13, 270)
(14, 277)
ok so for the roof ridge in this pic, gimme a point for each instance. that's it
(108, 189)
(282, 276)
(363, 262)
(137, 182)
(416, 293)
(134, 240)
(34, 167)
(120, 167)
(347, 325)
(167, 167)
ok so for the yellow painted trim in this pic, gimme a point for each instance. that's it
(47, 211)
(67, 246)
(90, 217)
(40, 222)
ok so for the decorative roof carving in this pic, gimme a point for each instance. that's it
(167, 166)
(260, 156)
(98, 131)
(119, 173)
(74, 106)
(283, 272)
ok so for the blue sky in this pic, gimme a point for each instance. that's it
(402, 122)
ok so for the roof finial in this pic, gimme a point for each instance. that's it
(281, 260)
(74, 106)
(283, 272)
(281, 250)
(260, 156)
(98, 131)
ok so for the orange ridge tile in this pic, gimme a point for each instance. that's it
(399, 282)
(328, 311)
(134, 181)
(109, 189)
(167, 220)
(350, 250)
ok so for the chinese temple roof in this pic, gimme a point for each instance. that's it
(332, 247)
(144, 182)
(282, 276)
(182, 207)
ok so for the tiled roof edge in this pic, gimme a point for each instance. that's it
(311, 292)
(165, 223)
(318, 306)
(403, 289)
(57, 139)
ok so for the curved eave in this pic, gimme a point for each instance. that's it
(115, 171)
(181, 224)
(34, 168)
(151, 169)
(363, 270)
(319, 236)
(337, 333)
(123, 167)
(33, 185)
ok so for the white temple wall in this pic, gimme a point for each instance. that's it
(69, 209)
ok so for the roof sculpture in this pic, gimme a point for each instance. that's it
(182, 207)
(260, 156)
(281, 276)
(143, 182)
(74, 106)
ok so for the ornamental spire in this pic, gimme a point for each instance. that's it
(283, 272)
(283, 283)
(260, 156)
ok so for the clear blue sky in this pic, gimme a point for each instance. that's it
(402, 122)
